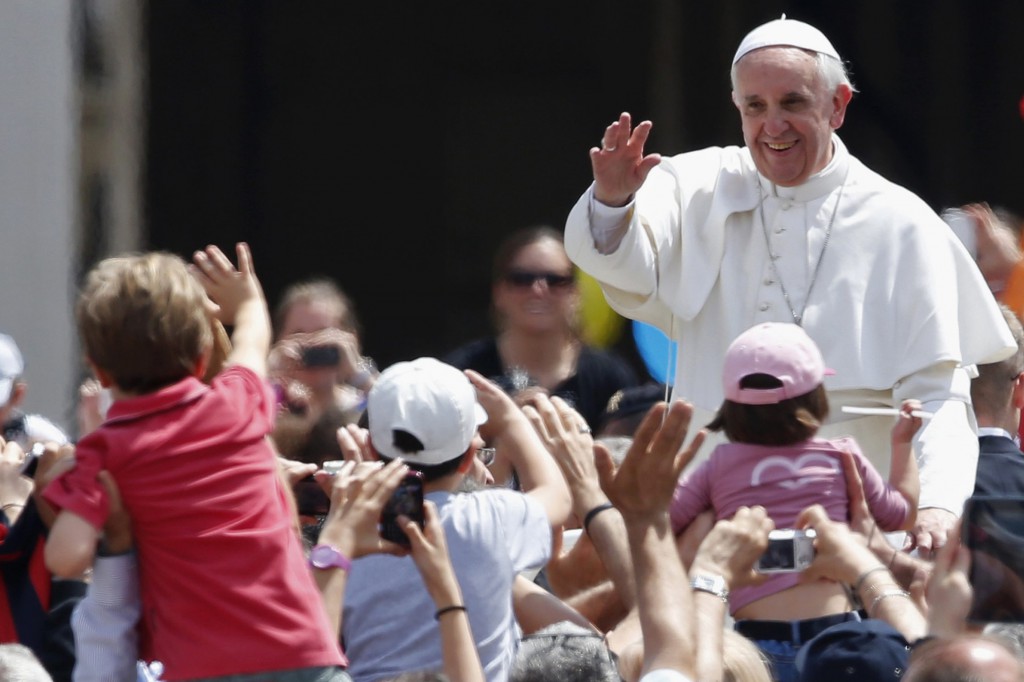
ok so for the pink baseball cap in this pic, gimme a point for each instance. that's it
(780, 350)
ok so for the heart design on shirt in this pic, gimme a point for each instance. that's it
(793, 466)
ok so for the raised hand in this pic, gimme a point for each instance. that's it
(565, 435)
(227, 287)
(358, 495)
(907, 425)
(619, 164)
(734, 545)
(642, 487)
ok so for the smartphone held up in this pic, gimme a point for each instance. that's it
(407, 500)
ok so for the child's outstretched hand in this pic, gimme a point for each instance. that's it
(907, 424)
(227, 287)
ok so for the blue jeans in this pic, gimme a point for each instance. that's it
(782, 658)
(781, 640)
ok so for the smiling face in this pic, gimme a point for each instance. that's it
(539, 305)
(788, 113)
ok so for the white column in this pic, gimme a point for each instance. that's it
(38, 176)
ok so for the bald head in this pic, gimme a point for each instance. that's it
(966, 658)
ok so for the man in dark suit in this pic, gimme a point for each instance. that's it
(998, 397)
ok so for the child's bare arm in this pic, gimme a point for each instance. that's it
(903, 475)
(239, 300)
(71, 545)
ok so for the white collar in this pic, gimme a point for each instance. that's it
(819, 185)
(994, 431)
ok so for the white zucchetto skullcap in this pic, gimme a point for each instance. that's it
(788, 33)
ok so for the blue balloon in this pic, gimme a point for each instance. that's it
(657, 351)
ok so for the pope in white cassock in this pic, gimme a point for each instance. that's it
(793, 228)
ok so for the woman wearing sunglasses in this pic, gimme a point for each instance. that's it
(535, 303)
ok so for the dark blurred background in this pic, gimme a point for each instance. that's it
(391, 145)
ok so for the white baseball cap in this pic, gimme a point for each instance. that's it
(12, 366)
(429, 400)
(786, 33)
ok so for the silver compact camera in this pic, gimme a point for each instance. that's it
(789, 551)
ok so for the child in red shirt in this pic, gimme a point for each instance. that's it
(223, 581)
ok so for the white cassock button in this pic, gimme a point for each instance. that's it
(764, 306)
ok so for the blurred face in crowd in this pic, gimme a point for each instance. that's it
(788, 113)
(312, 315)
(537, 292)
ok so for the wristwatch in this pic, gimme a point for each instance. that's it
(326, 556)
(712, 584)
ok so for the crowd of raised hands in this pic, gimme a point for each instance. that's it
(662, 623)
(619, 577)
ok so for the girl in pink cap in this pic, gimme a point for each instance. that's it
(774, 403)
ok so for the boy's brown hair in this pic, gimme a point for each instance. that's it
(142, 319)
(787, 422)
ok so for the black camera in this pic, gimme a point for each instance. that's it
(407, 500)
(321, 356)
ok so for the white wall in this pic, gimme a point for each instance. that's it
(38, 176)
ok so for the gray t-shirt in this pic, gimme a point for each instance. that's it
(388, 624)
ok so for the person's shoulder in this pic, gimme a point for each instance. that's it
(841, 444)
(900, 201)
(494, 502)
(728, 160)
(238, 377)
(481, 352)
(592, 358)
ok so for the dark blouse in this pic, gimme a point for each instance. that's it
(599, 374)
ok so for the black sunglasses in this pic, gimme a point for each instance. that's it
(524, 278)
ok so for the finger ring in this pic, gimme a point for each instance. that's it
(608, 149)
(584, 429)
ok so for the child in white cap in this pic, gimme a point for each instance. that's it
(774, 403)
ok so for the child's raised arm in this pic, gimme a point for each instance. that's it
(903, 475)
(238, 300)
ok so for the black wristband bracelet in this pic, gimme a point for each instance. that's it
(594, 512)
(448, 609)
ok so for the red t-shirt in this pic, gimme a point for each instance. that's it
(222, 577)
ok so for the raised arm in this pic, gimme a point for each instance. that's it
(903, 474)
(515, 440)
(641, 490)
(238, 299)
(729, 551)
(840, 556)
(430, 553)
(903, 567)
(358, 495)
(559, 428)
(619, 164)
